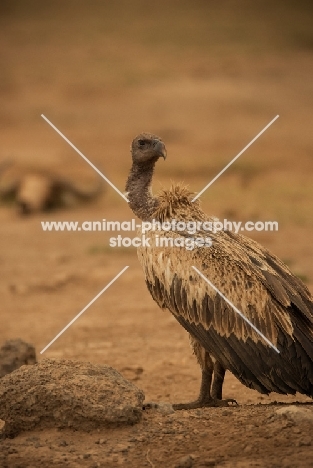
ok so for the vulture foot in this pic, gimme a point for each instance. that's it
(212, 402)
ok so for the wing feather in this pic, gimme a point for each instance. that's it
(197, 302)
(256, 282)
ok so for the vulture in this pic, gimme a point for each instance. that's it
(35, 190)
(268, 346)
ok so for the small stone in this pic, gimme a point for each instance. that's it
(121, 448)
(168, 431)
(185, 462)
(161, 407)
(305, 441)
(296, 413)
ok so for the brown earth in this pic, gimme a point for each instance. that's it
(207, 78)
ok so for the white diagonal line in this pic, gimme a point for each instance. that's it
(237, 310)
(236, 157)
(84, 309)
(84, 157)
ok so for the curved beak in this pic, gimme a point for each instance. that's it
(160, 149)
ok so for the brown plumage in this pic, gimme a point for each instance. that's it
(255, 281)
(34, 189)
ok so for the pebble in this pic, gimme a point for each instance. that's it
(296, 413)
(305, 441)
(161, 407)
(121, 448)
(185, 462)
(100, 441)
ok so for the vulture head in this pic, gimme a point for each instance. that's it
(147, 148)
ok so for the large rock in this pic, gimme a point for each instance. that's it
(14, 354)
(63, 393)
(296, 413)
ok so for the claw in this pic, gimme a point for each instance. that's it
(232, 401)
(150, 405)
(209, 403)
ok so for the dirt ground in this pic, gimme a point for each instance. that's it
(206, 78)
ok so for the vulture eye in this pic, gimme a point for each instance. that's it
(141, 142)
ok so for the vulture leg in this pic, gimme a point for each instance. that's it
(219, 374)
(206, 398)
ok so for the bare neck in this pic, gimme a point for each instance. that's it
(138, 186)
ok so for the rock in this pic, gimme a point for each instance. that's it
(161, 407)
(101, 441)
(185, 462)
(306, 441)
(121, 448)
(296, 413)
(14, 354)
(64, 393)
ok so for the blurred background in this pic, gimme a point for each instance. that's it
(205, 76)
